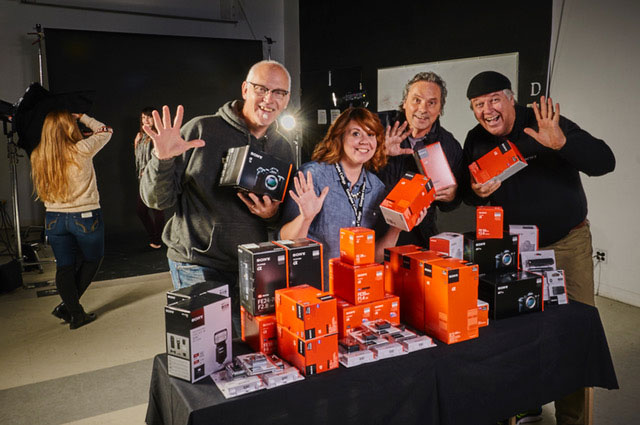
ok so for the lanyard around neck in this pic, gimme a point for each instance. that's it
(357, 209)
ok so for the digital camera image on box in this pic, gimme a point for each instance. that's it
(511, 293)
(256, 171)
(491, 254)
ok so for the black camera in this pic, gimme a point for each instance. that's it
(268, 178)
(504, 259)
(528, 302)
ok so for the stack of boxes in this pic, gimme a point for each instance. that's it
(359, 283)
(307, 329)
(264, 268)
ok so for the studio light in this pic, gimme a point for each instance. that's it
(288, 122)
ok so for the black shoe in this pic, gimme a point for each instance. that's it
(62, 313)
(81, 320)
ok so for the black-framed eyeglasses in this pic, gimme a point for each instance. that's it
(262, 91)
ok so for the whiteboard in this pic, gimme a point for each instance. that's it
(456, 73)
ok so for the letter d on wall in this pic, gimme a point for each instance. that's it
(535, 88)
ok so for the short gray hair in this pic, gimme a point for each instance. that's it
(430, 77)
(270, 63)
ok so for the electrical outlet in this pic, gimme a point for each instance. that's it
(601, 255)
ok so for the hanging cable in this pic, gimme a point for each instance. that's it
(552, 59)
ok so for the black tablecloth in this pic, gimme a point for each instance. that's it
(514, 365)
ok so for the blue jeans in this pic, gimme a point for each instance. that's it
(187, 274)
(71, 234)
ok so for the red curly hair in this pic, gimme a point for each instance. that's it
(331, 149)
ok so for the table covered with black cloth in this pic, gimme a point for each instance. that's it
(515, 364)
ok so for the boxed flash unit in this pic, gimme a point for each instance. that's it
(403, 205)
(255, 171)
(499, 163)
(189, 292)
(198, 332)
(263, 269)
(432, 162)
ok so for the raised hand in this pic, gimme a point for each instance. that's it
(394, 136)
(167, 141)
(549, 133)
(305, 196)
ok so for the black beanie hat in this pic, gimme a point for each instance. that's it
(487, 82)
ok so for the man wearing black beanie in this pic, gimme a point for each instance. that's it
(548, 192)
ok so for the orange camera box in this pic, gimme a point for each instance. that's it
(448, 243)
(412, 296)
(433, 163)
(306, 312)
(489, 222)
(352, 316)
(310, 356)
(393, 265)
(499, 163)
(259, 332)
(357, 284)
(403, 205)
(483, 313)
(357, 245)
(451, 300)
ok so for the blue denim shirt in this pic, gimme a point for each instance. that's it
(336, 211)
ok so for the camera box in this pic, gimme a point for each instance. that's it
(527, 236)
(304, 263)
(448, 243)
(306, 312)
(511, 293)
(393, 266)
(412, 302)
(357, 245)
(357, 284)
(259, 332)
(538, 261)
(198, 333)
(352, 316)
(499, 163)
(491, 254)
(451, 300)
(310, 356)
(189, 292)
(433, 163)
(483, 313)
(403, 205)
(263, 270)
(489, 222)
(251, 170)
(555, 289)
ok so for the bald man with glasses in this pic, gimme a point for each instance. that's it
(210, 221)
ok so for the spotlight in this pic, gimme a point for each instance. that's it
(288, 122)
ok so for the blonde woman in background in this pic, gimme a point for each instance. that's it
(65, 180)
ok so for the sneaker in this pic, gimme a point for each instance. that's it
(529, 416)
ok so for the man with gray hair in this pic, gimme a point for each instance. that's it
(547, 193)
(210, 221)
(418, 125)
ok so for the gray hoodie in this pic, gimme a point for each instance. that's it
(209, 221)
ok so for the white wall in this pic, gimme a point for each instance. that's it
(19, 66)
(596, 81)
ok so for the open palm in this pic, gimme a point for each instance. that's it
(167, 140)
(305, 196)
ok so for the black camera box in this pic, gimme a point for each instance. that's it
(262, 270)
(304, 263)
(492, 254)
(198, 336)
(198, 289)
(254, 171)
(511, 293)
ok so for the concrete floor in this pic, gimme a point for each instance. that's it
(99, 374)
